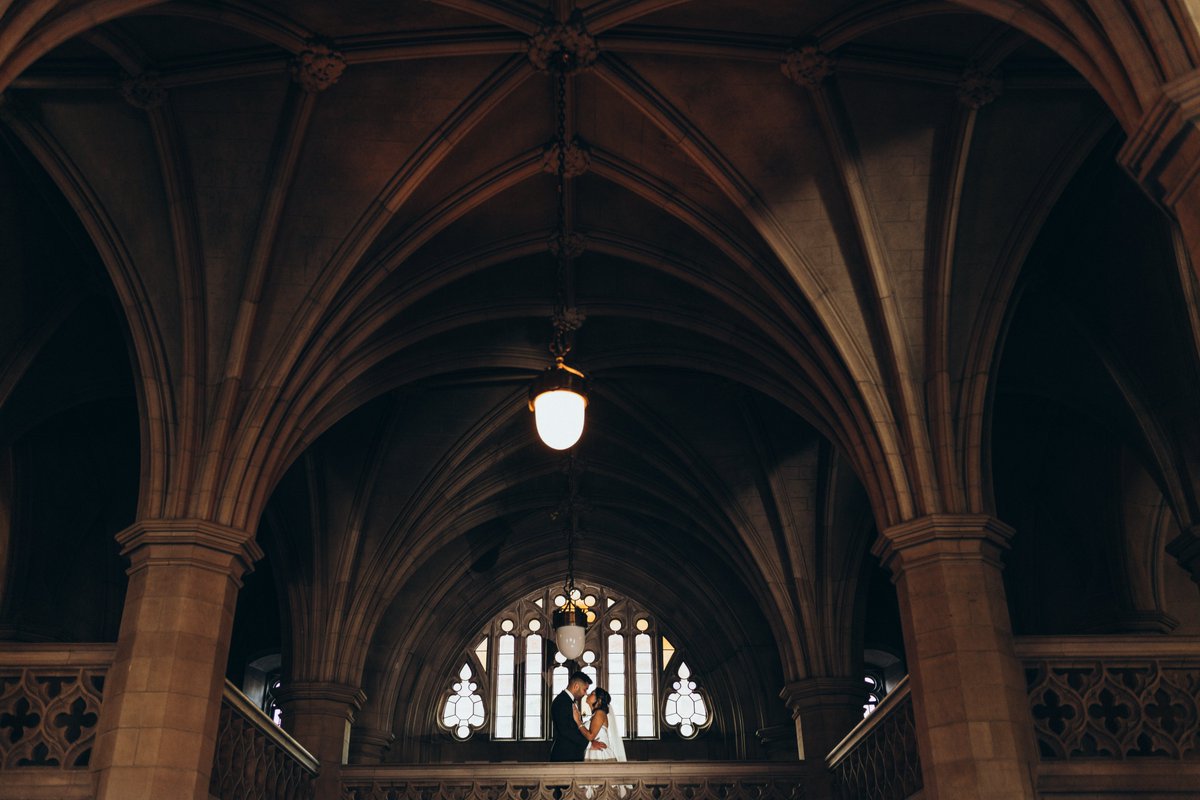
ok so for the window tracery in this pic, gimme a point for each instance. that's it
(506, 681)
(462, 712)
(685, 707)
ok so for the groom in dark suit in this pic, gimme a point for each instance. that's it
(569, 741)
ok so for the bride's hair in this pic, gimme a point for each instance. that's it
(603, 698)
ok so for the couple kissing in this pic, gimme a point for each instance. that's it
(575, 741)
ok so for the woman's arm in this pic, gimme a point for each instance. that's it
(599, 720)
(579, 724)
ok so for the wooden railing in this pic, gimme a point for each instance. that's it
(642, 780)
(50, 698)
(878, 760)
(255, 759)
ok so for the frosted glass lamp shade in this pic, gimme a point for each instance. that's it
(559, 415)
(570, 625)
(558, 399)
(569, 640)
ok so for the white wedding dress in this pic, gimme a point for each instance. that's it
(614, 749)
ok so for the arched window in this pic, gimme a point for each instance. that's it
(875, 692)
(881, 672)
(686, 709)
(462, 712)
(263, 677)
(516, 671)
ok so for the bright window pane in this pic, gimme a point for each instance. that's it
(463, 709)
(481, 652)
(685, 706)
(533, 687)
(505, 688)
(643, 682)
(616, 679)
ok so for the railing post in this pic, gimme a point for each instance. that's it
(974, 729)
(162, 699)
(825, 710)
(319, 716)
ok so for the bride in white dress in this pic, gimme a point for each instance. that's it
(600, 728)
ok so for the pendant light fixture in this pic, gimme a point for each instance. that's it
(570, 620)
(558, 397)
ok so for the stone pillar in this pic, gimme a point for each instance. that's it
(825, 710)
(974, 730)
(162, 698)
(367, 745)
(319, 715)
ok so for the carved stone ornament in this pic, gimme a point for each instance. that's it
(570, 37)
(143, 91)
(600, 787)
(48, 716)
(570, 245)
(577, 161)
(977, 88)
(885, 763)
(807, 65)
(569, 319)
(1132, 708)
(317, 67)
(250, 765)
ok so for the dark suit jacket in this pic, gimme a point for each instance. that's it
(569, 742)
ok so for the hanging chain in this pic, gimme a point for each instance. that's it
(571, 522)
(560, 343)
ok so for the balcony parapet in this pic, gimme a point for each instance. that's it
(50, 697)
(640, 780)
(256, 759)
(878, 759)
(1115, 715)
(1114, 697)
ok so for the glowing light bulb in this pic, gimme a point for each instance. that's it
(559, 416)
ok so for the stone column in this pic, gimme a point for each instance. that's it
(319, 715)
(367, 745)
(974, 730)
(162, 698)
(825, 710)
(1186, 549)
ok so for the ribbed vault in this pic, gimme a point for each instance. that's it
(805, 228)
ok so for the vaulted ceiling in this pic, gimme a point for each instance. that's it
(327, 226)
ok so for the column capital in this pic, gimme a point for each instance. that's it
(809, 694)
(1186, 549)
(323, 695)
(1163, 153)
(193, 542)
(369, 744)
(943, 537)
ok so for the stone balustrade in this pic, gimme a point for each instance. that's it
(1112, 716)
(1115, 715)
(878, 760)
(50, 697)
(256, 759)
(642, 780)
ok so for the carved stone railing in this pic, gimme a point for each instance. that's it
(1114, 697)
(1115, 714)
(878, 760)
(50, 697)
(255, 759)
(642, 780)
